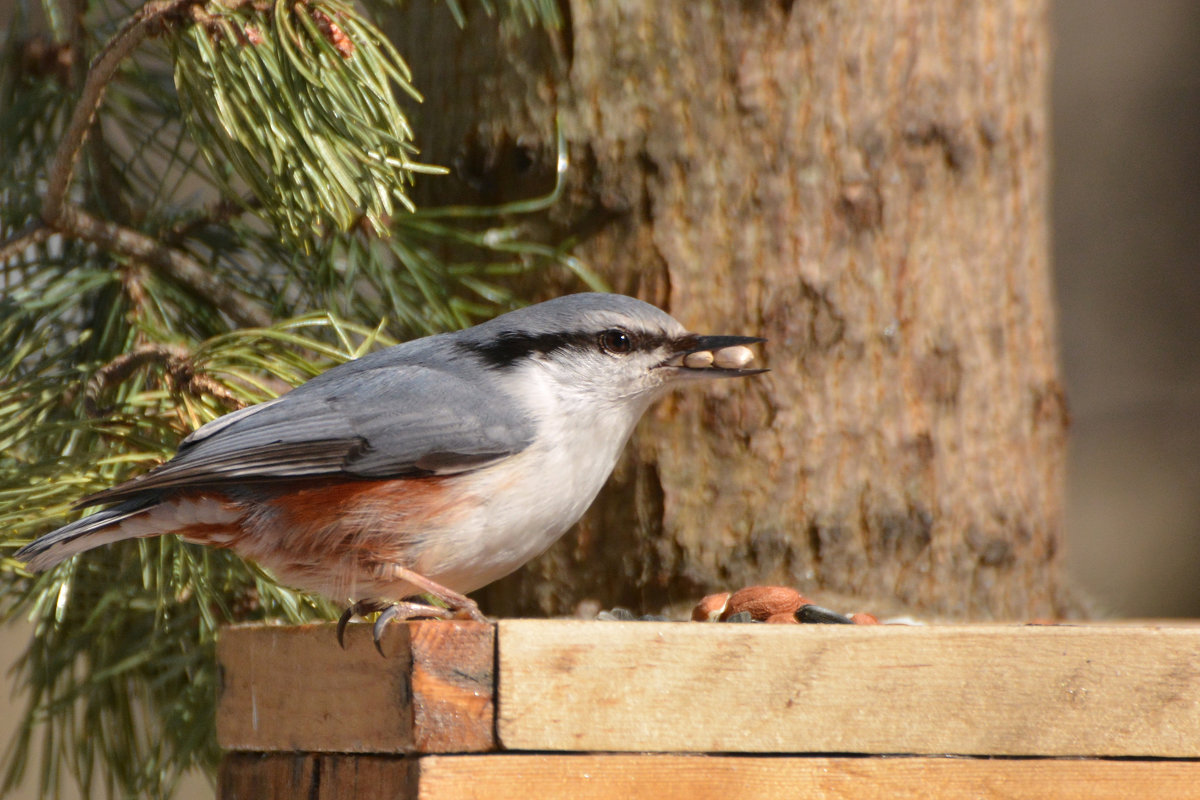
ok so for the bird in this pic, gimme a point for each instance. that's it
(427, 469)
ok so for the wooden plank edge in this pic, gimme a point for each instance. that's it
(517, 776)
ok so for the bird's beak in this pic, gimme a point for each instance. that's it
(714, 356)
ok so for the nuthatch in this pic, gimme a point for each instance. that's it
(435, 466)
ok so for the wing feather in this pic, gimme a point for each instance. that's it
(392, 420)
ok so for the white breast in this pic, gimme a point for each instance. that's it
(528, 501)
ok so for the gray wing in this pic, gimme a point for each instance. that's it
(389, 421)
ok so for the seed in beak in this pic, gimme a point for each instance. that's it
(734, 357)
(698, 360)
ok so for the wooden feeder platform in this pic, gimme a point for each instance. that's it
(536, 709)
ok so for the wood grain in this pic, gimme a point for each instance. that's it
(984, 690)
(659, 777)
(863, 184)
(308, 776)
(295, 689)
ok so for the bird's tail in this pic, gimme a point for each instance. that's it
(94, 530)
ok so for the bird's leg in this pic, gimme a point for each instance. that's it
(461, 606)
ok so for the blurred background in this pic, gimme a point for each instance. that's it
(1126, 205)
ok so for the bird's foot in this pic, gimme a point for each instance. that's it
(452, 604)
(401, 611)
(411, 609)
(404, 610)
(459, 605)
(469, 610)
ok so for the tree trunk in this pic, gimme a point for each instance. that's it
(866, 188)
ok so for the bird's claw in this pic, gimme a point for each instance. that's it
(356, 609)
(385, 616)
(343, 621)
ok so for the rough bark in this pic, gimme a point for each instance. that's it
(866, 186)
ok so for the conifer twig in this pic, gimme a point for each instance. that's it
(100, 74)
(33, 235)
(176, 264)
(218, 213)
(71, 220)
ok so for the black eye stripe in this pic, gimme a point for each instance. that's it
(507, 349)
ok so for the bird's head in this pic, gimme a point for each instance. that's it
(607, 348)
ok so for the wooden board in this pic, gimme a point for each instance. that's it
(572, 686)
(976, 689)
(293, 688)
(300, 776)
(662, 777)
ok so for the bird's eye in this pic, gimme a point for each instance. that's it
(617, 342)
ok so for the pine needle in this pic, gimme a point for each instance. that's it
(262, 143)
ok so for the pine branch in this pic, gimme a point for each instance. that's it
(174, 264)
(34, 235)
(145, 23)
(219, 213)
(295, 102)
(131, 315)
(129, 630)
(71, 220)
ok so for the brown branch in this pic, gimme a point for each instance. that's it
(178, 369)
(216, 213)
(33, 235)
(175, 264)
(144, 24)
(71, 220)
(121, 367)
